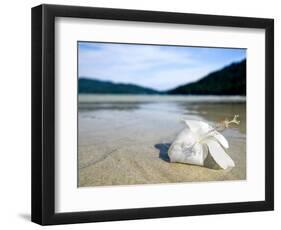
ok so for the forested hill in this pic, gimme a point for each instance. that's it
(95, 86)
(231, 80)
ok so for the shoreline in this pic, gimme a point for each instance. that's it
(92, 98)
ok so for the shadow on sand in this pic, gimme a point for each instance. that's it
(163, 151)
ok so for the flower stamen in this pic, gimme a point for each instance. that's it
(233, 121)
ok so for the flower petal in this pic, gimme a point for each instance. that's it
(195, 155)
(219, 155)
(199, 127)
(205, 151)
(221, 139)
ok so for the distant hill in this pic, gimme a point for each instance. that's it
(231, 80)
(95, 86)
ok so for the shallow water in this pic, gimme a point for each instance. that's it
(123, 139)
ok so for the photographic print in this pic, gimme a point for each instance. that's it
(163, 106)
(150, 114)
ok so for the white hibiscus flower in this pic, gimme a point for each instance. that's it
(194, 143)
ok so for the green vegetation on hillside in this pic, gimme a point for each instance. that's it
(231, 80)
(106, 87)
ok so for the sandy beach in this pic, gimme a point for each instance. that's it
(124, 140)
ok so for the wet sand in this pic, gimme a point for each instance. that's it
(124, 140)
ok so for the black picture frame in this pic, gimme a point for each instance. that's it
(43, 114)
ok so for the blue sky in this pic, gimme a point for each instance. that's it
(154, 66)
